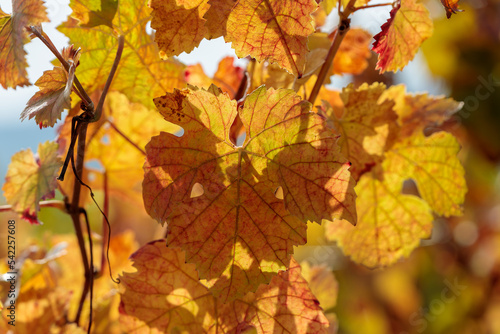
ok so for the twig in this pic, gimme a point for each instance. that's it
(373, 6)
(342, 30)
(43, 204)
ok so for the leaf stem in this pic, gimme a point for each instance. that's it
(100, 104)
(342, 30)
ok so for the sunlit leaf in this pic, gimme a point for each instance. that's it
(432, 162)
(390, 224)
(13, 37)
(55, 86)
(367, 126)
(93, 13)
(165, 296)
(238, 233)
(272, 30)
(179, 25)
(401, 36)
(31, 179)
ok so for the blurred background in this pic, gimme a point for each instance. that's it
(448, 285)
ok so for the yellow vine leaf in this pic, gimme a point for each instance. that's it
(401, 36)
(93, 13)
(237, 231)
(432, 162)
(390, 224)
(141, 74)
(55, 86)
(13, 37)
(31, 179)
(367, 126)
(228, 77)
(179, 25)
(273, 30)
(216, 17)
(183, 304)
(420, 111)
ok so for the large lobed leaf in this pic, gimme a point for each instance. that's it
(31, 179)
(183, 304)
(391, 150)
(219, 200)
(401, 36)
(13, 37)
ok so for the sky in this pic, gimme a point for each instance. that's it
(16, 135)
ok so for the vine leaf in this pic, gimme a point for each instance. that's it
(228, 77)
(451, 7)
(390, 224)
(183, 304)
(55, 86)
(420, 111)
(401, 36)
(179, 25)
(141, 75)
(272, 30)
(238, 232)
(13, 37)
(432, 162)
(94, 13)
(367, 126)
(31, 179)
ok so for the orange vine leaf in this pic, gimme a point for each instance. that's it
(219, 199)
(13, 36)
(401, 36)
(272, 30)
(181, 302)
(179, 25)
(31, 179)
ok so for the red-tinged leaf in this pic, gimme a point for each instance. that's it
(179, 25)
(31, 179)
(451, 7)
(13, 37)
(273, 30)
(401, 36)
(390, 224)
(238, 232)
(216, 17)
(165, 296)
(47, 105)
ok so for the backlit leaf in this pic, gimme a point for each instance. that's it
(141, 74)
(420, 111)
(31, 179)
(13, 37)
(217, 16)
(367, 126)
(182, 303)
(238, 232)
(432, 162)
(93, 13)
(451, 7)
(273, 30)
(390, 224)
(179, 25)
(55, 86)
(401, 36)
